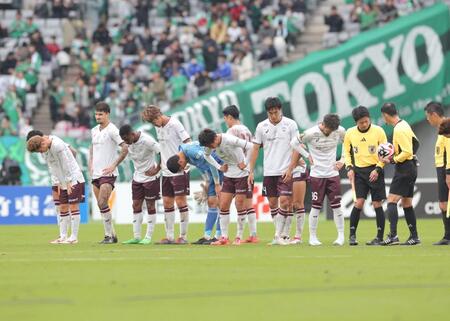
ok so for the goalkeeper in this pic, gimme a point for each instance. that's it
(193, 154)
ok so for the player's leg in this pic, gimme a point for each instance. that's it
(138, 195)
(286, 208)
(212, 219)
(443, 197)
(151, 221)
(378, 192)
(240, 202)
(333, 191)
(75, 198)
(392, 215)
(181, 190)
(318, 186)
(361, 190)
(169, 210)
(55, 196)
(224, 217)
(105, 191)
(410, 217)
(64, 217)
(298, 203)
(251, 216)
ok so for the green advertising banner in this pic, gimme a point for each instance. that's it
(406, 61)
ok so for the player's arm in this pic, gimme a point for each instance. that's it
(212, 162)
(347, 147)
(381, 140)
(154, 146)
(63, 155)
(297, 145)
(247, 147)
(404, 142)
(447, 157)
(91, 151)
(114, 135)
(252, 164)
(295, 157)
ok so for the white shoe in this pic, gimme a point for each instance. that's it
(70, 241)
(296, 240)
(314, 242)
(59, 240)
(278, 241)
(339, 241)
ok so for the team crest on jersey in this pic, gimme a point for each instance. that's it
(372, 149)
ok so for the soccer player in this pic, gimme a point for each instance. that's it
(142, 149)
(175, 186)
(322, 141)
(274, 135)
(103, 162)
(234, 152)
(402, 187)
(365, 170)
(194, 154)
(435, 116)
(55, 184)
(71, 181)
(236, 128)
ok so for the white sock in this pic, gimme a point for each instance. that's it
(64, 225)
(252, 221)
(313, 222)
(58, 218)
(279, 224)
(287, 226)
(224, 223)
(241, 224)
(274, 213)
(339, 221)
(75, 220)
(151, 221)
(184, 222)
(169, 220)
(137, 224)
(107, 223)
(300, 215)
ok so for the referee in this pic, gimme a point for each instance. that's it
(365, 170)
(402, 187)
(435, 116)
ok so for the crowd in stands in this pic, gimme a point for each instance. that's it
(141, 52)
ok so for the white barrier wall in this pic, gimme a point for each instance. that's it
(121, 205)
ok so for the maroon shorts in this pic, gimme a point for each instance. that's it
(104, 180)
(235, 185)
(77, 195)
(302, 178)
(273, 186)
(148, 191)
(331, 187)
(55, 198)
(175, 185)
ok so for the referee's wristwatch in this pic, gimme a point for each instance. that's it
(378, 169)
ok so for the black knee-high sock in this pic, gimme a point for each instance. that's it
(354, 220)
(410, 217)
(446, 221)
(392, 215)
(380, 222)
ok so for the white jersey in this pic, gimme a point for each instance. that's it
(275, 141)
(322, 149)
(244, 133)
(170, 137)
(231, 151)
(62, 163)
(104, 149)
(143, 154)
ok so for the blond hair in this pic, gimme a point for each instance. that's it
(150, 113)
(34, 144)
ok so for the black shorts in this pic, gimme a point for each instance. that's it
(442, 184)
(363, 185)
(404, 179)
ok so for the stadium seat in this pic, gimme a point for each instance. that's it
(10, 14)
(53, 23)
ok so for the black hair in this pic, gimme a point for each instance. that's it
(206, 137)
(272, 102)
(444, 128)
(172, 164)
(125, 130)
(360, 112)
(434, 107)
(331, 121)
(33, 133)
(232, 111)
(101, 106)
(389, 108)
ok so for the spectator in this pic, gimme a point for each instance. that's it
(163, 43)
(244, 65)
(53, 47)
(3, 31)
(255, 15)
(334, 21)
(146, 40)
(17, 28)
(81, 94)
(158, 87)
(178, 84)
(389, 11)
(356, 11)
(368, 17)
(24, 126)
(218, 31)
(101, 35)
(266, 30)
(12, 105)
(210, 56)
(234, 31)
(142, 9)
(7, 128)
(268, 52)
(193, 68)
(223, 71)
(9, 64)
(202, 82)
(129, 45)
(30, 26)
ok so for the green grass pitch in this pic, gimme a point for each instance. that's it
(87, 281)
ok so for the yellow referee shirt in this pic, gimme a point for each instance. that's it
(440, 151)
(405, 142)
(360, 148)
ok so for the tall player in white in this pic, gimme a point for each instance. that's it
(142, 149)
(322, 141)
(236, 128)
(175, 186)
(70, 180)
(274, 135)
(103, 163)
